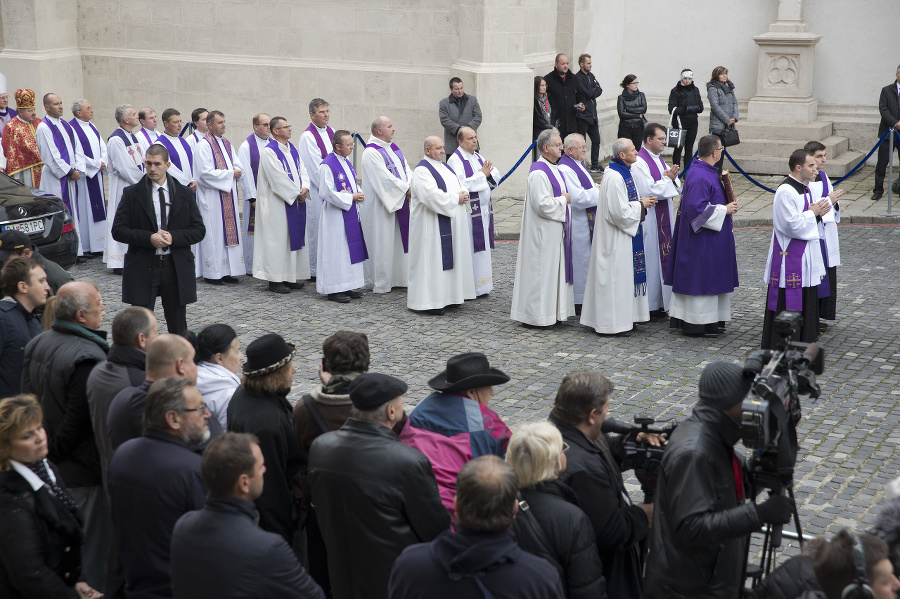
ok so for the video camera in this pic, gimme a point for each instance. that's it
(643, 458)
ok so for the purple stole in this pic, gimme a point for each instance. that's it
(296, 214)
(663, 225)
(147, 137)
(537, 165)
(352, 228)
(254, 167)
(173, 155)
(64, 154)
(319, 141)
(475, 203)
(586, 183)
(445, 227)
(793, 271)
(94, 184)
(824, 289)
(131, 144)
(403, 212)
(229, 218)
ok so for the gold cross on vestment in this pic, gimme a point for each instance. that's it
(793, 281)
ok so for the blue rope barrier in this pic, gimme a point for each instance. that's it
(359, 137)
(690, 162)
(190, 126)
(744, 173)
(525, 155)
(863, 161)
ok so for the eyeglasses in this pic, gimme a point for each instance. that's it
(203, 408)
(719, 149)
(565, 447)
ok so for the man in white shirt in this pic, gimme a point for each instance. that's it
(91, 194)
(198, 118)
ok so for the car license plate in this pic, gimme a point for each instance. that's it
(31, 226)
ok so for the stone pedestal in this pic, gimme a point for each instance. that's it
(784, 78)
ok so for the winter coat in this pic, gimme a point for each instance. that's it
(563, 535)
(590, 90)
(723, 105)
(685, 100)
(17, 328)
(631, 108)
(539, 121)
(475, 566)
(217, 384)
(563, 95)
(700, 526)
(456, 113)
(794, 579)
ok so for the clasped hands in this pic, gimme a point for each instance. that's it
(161, 239)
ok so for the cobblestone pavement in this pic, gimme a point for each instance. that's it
(849, 437)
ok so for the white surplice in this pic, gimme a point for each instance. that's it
(612, 302)
(582, 199)
(273, 259)
(385, 194)
(430, 286)
(541, 295)
(482, 266)
(248, 190)
(184, 175)
(828, 226)
(336, 273)
(92, 234)
(146, 138)
(218, 260)
(55, 168)
(126, 167)
(658, 294)
(791, 221)
(311, 157)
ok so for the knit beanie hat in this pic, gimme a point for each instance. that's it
(723, 384)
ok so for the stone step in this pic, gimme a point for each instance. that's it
(834, 146)
(816, 130)
(763, 164)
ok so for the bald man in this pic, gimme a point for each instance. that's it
(440, 257)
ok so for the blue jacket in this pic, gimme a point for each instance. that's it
(17, 328)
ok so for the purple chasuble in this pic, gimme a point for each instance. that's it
(94, 184)
(567, 226)
(319, 141)
(254, 167)
(229, 218)
(793, 266)
(663, 226)
(445, 227)
(475, 204)
(296, 214)
(64, 154)
(403, 212)
(131, 145)
(352, 229)
(586, 183)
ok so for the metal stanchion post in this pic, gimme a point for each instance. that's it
(890, 175)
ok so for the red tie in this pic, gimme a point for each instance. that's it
(738, 477)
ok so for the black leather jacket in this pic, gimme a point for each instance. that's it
(700, 527)
(631, 108)
(794, 579)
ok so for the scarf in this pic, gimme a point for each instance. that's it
(637, 242)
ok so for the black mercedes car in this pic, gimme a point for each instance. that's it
(41, 216)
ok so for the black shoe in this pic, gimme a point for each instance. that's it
(212, 281)
(596, 168)
(705, 334)
(657, 314)
(230, 279)
(297, 285)
(117, 271)
(823, 326)
(313, 278)
(80, 260)
(354, 294)
(578, 309)
(341, 298)
(876, 195)
(279, 288)
(436, 311)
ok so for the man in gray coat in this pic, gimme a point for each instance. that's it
(459, 109)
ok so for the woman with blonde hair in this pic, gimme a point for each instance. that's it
(550, 523)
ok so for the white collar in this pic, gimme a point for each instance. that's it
(220, 371)
(466, 154)
(433, 161)
(164, 187)
(53, 120)
(30, 477)
(380, 142)
(260, 140)
(320, 129)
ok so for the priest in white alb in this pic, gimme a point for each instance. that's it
(198, 120)
(584, 193)
(63, 159)
(477, 176)
(385, 212)
(218, 171)
(281, 254)
(248, 155)
(126, 167)
(440, 254)
(653, 177)
(91, 194)
(314, 145)
(342, 247)
(147, 134)
(543, 292)
(615, 296)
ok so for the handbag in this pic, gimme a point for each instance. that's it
(675, 137)
(730, 137)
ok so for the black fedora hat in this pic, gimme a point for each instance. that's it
(267, 354)
(467, 371)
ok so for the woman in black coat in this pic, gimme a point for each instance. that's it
(541, 119)
(632, 106)
(549, 523)
(685, 103)
(40, 527)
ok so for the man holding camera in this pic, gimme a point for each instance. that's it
(702, 520)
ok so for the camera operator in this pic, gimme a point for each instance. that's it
(702, 520)
(593, 472)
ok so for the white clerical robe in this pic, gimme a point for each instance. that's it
(248, 191)
(336, 273)
(828, 226)
(658, 293)
(125, 167)
(146, 138)
(541, 295)
(92, 233)
(55, 168)
(218, 260)
(194, 139)
(582, 199)
(311, 156)
(273, 259)
(385, 194)
(478, 183)
(185, 176)
(612, 302)
(430, 286)
(791, 221)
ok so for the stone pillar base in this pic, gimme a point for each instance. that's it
(782, 110)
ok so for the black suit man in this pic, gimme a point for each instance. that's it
(889, 107)
(159, 220)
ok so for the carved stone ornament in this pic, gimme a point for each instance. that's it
(782, 70)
